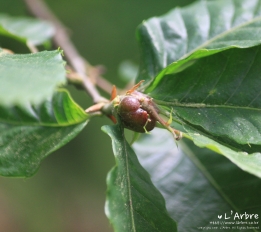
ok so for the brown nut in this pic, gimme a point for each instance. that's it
(133, 117)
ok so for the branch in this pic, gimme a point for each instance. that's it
(61, 39)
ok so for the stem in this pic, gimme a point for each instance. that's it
(61, 38)
(31, 47)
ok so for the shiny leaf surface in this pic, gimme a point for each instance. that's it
(198, 30)
(133, 203)
(197, 184)
(218, 95)
(202, 62)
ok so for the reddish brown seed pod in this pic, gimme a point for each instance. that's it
(133, 117)
(128, 104)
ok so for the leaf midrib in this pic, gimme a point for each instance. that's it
(128, 182)
(202, 105)
(132, 210)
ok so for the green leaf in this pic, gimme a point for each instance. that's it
(210, 90)
(250, 162)
(35, 117)
(58, 110)
(198, 30)
(30, 78)
(22, 148)
(127, 71)
(197, 184)
(218, 95)
(133, 203)
(29, 134)
(27, 30)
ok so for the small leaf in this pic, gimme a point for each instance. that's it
(27, 30)
(195, 31)
(30, 78)
(59, 110)
(127, 71)
(133, 203)
(22, 148)
(197, 184)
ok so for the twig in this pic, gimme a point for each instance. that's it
(103, 84)
(61, 38)
(31, 47)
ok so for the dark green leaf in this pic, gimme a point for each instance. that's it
(30, 78)
(218, 95)
(201, 29)
(22, 148)
(27, 30)
(133, 203)
(212, 93)
(197, 184)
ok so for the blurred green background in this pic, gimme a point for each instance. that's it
(67, 194)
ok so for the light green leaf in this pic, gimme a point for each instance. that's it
(58, 110)
(35, 117)
(30, 78)
(127, 71)
(197, 184)
(22, 148)
(195, 31)
(27, 30)
(250, 162)
(133, 203)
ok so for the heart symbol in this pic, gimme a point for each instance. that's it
(219, 216)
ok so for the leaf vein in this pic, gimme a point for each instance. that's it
(244, 76)
(218, 79)
(208, 42)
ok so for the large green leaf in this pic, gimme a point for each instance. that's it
(197, 184)
(58, 110)
(30, 78)
(218, 95)
(133, 203)
(27, 30)
(22, 148)
(211, 91)
(201, 29)
(218, 98)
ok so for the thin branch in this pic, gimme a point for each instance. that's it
(61, 39)
(103, 84)
(31, 47)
